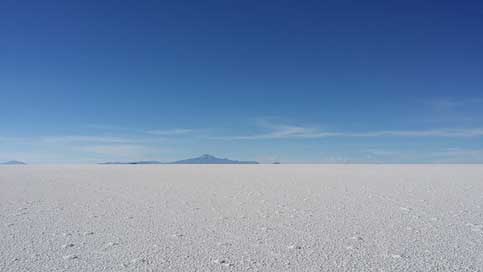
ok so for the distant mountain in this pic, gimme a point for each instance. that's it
(13, 163)
(136, 162)
(209, 159)
(204, 159)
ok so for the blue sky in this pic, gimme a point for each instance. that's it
(295, 81)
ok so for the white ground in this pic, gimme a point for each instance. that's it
(241, 218)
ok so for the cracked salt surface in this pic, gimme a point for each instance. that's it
(241, 218)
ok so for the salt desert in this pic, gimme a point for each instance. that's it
(241, 218)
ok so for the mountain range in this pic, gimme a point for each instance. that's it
(13, 163)
(204, 159)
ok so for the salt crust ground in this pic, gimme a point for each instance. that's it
(241, 218)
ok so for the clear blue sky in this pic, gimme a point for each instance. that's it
(295, 81)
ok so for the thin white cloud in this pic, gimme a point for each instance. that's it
(86, 139)
(455, 155)
(283, 132)
(449, 155)
(452, 105)
(11, 140)
(155, 132)
(119, 151)
(449, 133)
(111, 128)
(300, 132)
(168, 132)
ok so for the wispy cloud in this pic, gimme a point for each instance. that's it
(170, 132)
(474, 132)
(301, 132)
(446, 104)
(21, 139)
(448, 155)
(13, 139)
(451, 112)
(119, 151)
(283, 132)
(459, 155)
(156, 132)
(86, 139)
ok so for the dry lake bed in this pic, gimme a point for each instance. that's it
(241, 218)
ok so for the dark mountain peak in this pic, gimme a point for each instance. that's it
(14, 163)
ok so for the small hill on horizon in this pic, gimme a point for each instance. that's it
(13, 163)
(204, 159)
(135, 162)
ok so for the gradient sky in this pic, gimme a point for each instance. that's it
(294, 81)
